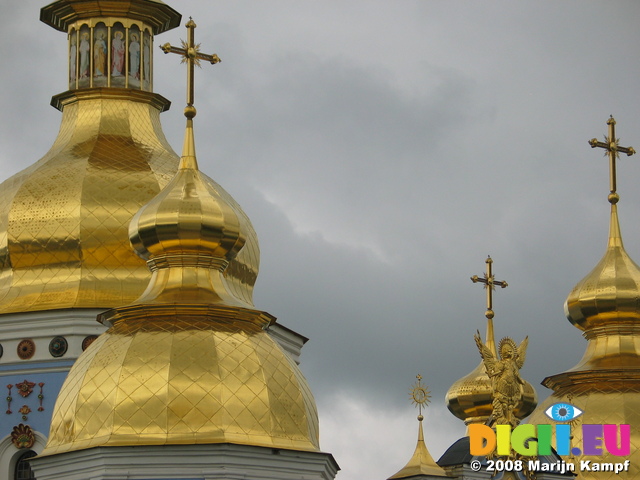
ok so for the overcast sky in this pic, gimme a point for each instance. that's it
(383, 150)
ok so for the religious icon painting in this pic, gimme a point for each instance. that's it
(134, 57)
(84, 54)
(146, 60)
(73, 58)
(118, 54)
(100, 55)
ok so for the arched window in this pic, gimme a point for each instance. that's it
(23, 469)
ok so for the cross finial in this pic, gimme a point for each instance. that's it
(490, 284)
(610, 144)
(191, 55)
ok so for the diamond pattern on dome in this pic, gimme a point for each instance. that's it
(189, 380)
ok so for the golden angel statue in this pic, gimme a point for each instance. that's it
(505, 377)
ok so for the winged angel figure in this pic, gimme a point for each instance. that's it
(505, 377)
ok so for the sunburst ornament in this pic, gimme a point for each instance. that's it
(191, 53)
(420, 395)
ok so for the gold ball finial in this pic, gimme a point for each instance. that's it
(613, 198)
(489, 314)
(190, 111)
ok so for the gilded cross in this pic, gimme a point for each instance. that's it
(490, 284)
(191, 55)
(420, 395)
(610, 144)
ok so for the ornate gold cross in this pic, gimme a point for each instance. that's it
(191, 55)
(611, 146)
(420, 395)
(490, 284)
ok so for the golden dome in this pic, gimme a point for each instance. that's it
(194, 226)
(64, 221)
(185, 378)
(610, 293)
(470, 398)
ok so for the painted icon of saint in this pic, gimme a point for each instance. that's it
(72, 58)
(147, 59)
(134, 57)
(85, 47)
(99, 56)
(117, 55)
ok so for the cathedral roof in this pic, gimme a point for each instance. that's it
(188, 362)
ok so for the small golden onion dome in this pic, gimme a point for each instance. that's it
(190, 217)
(470, 398)
(610, 293)
(188, 234)
(157, 380)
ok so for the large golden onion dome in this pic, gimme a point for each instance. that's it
(605, 305)
(184, 376)
(611, 291)
(64, 220)
(188, 362)
(605, 384)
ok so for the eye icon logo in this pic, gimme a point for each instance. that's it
(562, 412)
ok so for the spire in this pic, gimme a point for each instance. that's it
(604, 305)
(610, 144)
(490, 284)
(608, 294)
(421, 462)
(489, 281)
(190, 232)
(191, 55)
